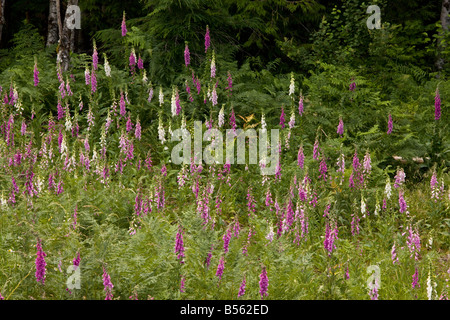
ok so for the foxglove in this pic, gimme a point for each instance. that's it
(292, 120)
(137, 131)
(292, 85)
(230, 84)
(179, 246)
(107, 284)
(331, 235)
(394, 255)
(233, 121)
(221, 117)
(124, 26)
(36, 74)
(95, 58)
(161, 131)
(300, 105)
(399, 178)
(161, 96)
(390, 125)
(40, 263)
(413, 243)
(220, 268)
(437, 106)
(263, 123)
(340, 128)
(93, 81)
(263, 283)
(282, 118)
(415, 279)
(107, 67)
(187, 56)
(316, 150)
(242, 288)
(76, 261)
(226, 240)
(323, 169)
(213, 66)
(122, 105)
(301, 157)
(173, 103)
(207, 39)
(182, 284)
(140, 63)
(355, 224)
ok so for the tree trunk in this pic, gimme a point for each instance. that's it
(2, 17)
(72, 31)
(66, 38)
(445, 22)
(52, 33)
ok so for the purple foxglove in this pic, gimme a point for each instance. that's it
(233, 120)
(132, 58)
(415, 279)
(107, 67)
(77, 260)
(323, 169)
(107, 284)
(331, 235)
(93, 81)
(129, 124)
(214, 97)
(367, 167)
(355, 224)
(209, 256)
(36, 74)
(87, 76)
(177, 103)
(182, 284)
(140, 63)
(60, 110)
(242, 288)
(437, 106)
(179, 245)
(300, 157)
(390, 125)
(394, 255)
(122, 105)
(137, 131)
(40, 263)
(226, 240)
(316, 150)
(187, 55)
(230, 84)
(263, 283)
(282, 118)
(95, 58)
(399, 178)
(207, 39)
(220, 268)
(124, 26)
(23, 129)
(340, 128)
(300, 105)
